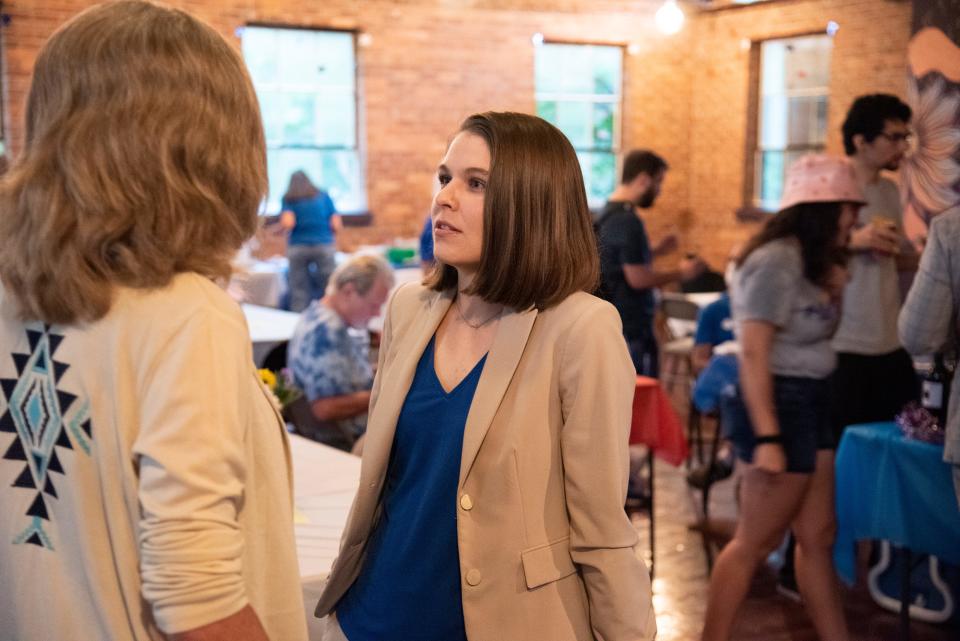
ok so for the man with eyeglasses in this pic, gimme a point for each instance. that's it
(875, 376)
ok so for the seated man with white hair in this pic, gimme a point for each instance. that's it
(329, 354)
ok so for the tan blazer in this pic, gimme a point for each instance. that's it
(546, 550)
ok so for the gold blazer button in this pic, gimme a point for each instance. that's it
(474, 577)
(466, 502)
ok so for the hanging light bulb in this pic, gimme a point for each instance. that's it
(669, 17)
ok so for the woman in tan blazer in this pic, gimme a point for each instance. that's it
(504, 522)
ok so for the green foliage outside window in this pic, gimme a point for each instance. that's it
(306, 83)
(578, 89)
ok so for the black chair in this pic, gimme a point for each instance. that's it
(705, 494)
(695, 434)
(299, 414)
(276, 358)
(708, 281)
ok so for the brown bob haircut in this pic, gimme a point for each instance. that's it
(144, 158)
(538, 241)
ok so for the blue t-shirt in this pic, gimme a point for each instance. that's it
(623, 241)
(715, 323)
(409, 586)
(313, 220)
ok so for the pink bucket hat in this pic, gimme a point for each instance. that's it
(818, 178)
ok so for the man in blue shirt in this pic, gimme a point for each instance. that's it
(426, 246)
(329, 354)
(714, 326)
(626, 256)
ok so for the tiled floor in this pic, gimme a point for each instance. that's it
(680, 585)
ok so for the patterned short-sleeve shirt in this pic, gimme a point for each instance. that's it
(328, 358)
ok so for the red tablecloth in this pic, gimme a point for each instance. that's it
(655, 424)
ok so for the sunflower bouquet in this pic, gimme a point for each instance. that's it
(281, 384)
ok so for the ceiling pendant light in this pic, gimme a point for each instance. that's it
(669, 18)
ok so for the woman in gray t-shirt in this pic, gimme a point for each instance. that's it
(784, 316)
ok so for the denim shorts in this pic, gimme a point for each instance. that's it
(803, 412)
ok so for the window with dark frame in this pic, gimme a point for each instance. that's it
(793, 91)
(306, 82)
(579, 89)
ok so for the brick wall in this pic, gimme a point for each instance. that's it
(869, 55)
(430, 63)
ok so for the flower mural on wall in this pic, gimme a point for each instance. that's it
(930, 174)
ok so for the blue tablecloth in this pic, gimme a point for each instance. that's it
(895, 488)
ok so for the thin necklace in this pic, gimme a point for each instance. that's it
(456, 302)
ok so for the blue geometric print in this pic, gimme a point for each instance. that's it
(36, 412)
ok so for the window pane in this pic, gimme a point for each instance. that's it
(771, 179)
(793, 121)
(773, 120)
(807, 118)
(599, 174)
(773, 167)
(578, 89)
(588, 125)
(307, 118)
(306, 85)
(807, 63)
(796, 65)
(607, 66)
(603, 125)
(573, 119)
(794, 95)
(578, 69)
(299, 57)
(336, 172)
(547, 109)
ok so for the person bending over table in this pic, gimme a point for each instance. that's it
(928, 319)
(329, 353)
(156, 499)
(784, 317)
(495, 467)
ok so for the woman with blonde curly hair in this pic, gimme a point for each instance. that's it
(145, 467)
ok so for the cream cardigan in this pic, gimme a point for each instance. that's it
(145, 476)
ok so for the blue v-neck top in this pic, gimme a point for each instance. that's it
(409, 586)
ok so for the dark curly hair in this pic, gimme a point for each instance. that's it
(867, 116)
